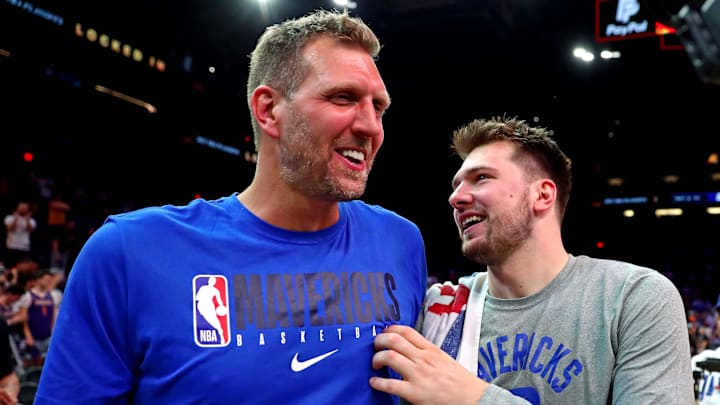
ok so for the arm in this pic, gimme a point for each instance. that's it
(20, 317)
(31, 224)
(91, 359)
(9, 389)
(9, 382)
(11, 222)
(653, 351)
(28, 335)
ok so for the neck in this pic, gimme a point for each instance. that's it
(289, 210)
(527, 271)
(269, 198)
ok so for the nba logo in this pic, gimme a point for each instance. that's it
(211, 318)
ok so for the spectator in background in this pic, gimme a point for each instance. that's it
(41, 314)
(64, 246)
(702, 340)
(22, 276)
(13, 313)
(23, 271)
(9, 381)
(57, 230)
(7, 277)
(19, 225)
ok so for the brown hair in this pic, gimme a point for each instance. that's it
(537, 152)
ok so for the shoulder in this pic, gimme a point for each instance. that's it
(140, 228)
(647, 285)
(195, 210)
(24, 301)
(373, 213)
(56, 295)
(620, 271)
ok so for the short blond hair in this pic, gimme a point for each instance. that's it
(277, 59)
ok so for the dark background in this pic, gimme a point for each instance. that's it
(641, 117)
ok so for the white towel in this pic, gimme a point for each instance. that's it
(453, 316)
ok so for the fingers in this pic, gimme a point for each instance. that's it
(404, 350)
(395, 338)
(410, 335)
(393, 386)
(399, 347)
(393, 351)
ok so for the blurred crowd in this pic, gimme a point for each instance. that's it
(46, 222)
(703, 325)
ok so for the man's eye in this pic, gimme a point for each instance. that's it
(343, 98)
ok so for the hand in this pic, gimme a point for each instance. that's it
(6, 398)
(430, 376)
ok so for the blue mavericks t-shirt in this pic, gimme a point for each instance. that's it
(208, 304)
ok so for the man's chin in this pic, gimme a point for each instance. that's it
(349, 190)
(471, 249)
(349, 195)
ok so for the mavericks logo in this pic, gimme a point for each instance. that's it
(292, 307)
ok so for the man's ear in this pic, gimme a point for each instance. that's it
(263, 103)
(546, 195)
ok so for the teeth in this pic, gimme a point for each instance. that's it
(473, 218)
(353, 154)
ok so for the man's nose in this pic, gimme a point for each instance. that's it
(460, 197)
(367, 120)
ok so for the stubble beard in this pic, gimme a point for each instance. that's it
(304, 166)
(503, 235)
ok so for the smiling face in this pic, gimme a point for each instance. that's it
(332, 127)
(491, 201)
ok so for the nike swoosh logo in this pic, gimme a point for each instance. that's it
(298, 366)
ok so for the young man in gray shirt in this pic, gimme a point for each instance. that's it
(540, 326)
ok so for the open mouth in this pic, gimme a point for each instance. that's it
(353, 155)
(471, 220)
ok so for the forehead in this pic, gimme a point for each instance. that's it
(332, 62)
(493, 158)
(493, 154)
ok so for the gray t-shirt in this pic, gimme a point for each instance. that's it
(602, 332)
